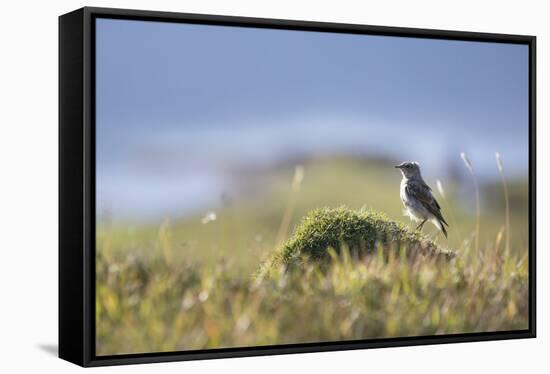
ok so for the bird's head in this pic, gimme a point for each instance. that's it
(409, 169)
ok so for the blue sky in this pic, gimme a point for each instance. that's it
(194, 97)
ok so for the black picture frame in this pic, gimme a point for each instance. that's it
(77, 185)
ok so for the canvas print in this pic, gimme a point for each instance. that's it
(259, 187)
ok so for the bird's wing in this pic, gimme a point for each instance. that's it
(422, 192)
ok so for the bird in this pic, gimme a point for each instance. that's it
(416, 195)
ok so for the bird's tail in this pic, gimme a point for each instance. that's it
(441, 226)
(444, 231)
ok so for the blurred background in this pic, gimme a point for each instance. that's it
(208, 126)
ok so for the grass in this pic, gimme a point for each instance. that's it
(360, 232)
(470, 168)
(506, 198)
(182, 284)
(145, 305)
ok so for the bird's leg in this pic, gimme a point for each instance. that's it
(421, 224)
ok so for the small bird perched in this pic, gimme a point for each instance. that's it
(416, 195)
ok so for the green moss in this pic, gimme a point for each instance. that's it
(361, 232)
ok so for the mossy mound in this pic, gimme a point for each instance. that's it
(361, 232)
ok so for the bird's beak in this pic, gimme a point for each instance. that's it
(398, 166)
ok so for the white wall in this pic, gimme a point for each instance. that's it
(28, 198)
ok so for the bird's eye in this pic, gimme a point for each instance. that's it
(408, 166)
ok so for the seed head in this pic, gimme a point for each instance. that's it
(298, 177)
(209, 217)
(467, 161)
(499, 162)
(440, 188)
